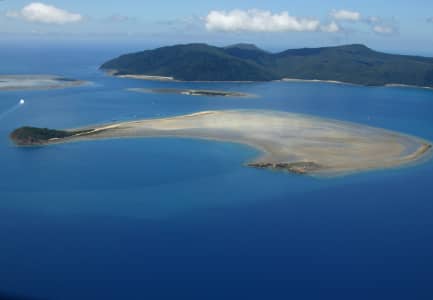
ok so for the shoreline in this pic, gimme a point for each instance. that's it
(398, 85)
(337, 82)
(148, 77)
(295, 143)
(318, 81)
(389, 85)
(169, 78)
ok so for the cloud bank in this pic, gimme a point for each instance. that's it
(255, 20)
(384, 29)
(331, 27)
(376, 24)
(116, 18)
(346, 15)
(43, 13)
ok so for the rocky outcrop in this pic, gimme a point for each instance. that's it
(300, 168)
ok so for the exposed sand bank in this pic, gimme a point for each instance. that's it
(292, 142)
(316, 81)
(193, 92)
(390, 85)
(147, 77)
(169, 78)
(36, 82)
(408, 86)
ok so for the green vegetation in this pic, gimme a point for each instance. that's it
(38, 136)
(243, 62)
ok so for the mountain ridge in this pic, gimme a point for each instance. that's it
(353, 63)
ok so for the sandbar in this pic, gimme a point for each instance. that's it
(389, 85)
(193, 92)
(316, 81)
(288, 142)
(147, 77)
(36, 82)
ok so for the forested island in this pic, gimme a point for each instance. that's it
(356, 64)
(33, 136)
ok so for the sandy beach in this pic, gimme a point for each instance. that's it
(292, 142)
(389, 85)
(316, 81)
(147, 77)
(408, 86)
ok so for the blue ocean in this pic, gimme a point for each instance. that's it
(167, 218)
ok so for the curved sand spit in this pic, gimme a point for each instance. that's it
(292, 142)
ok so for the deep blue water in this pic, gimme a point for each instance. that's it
(184, 219)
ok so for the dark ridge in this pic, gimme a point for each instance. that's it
(354, 63)
(245, 46)
(27, 136)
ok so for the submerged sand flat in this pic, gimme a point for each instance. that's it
(36, 82)
(193, 92)
(292, 142)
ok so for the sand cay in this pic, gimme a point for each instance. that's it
(193, 92)
(289, 142)
(36, 82)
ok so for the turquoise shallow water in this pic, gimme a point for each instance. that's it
(164, 218)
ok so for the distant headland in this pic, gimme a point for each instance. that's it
(356, 64)
(289, 142)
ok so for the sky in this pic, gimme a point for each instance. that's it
(395, 26)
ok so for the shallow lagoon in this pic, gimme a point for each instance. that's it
(131, 217)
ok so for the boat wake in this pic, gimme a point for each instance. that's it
(7, 112)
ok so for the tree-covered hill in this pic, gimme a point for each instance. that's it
(244, 62)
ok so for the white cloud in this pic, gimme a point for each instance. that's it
(376, 24)
(258, 21)
(43, 13)
(331, 27)
(346, 15)
(118, 18)
(382, 26)
(384, 29)
(372, 20)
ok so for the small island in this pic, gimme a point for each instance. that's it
(289, 142)
(36, 82)
(32, 136)
(355, 64)
(191, 92)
